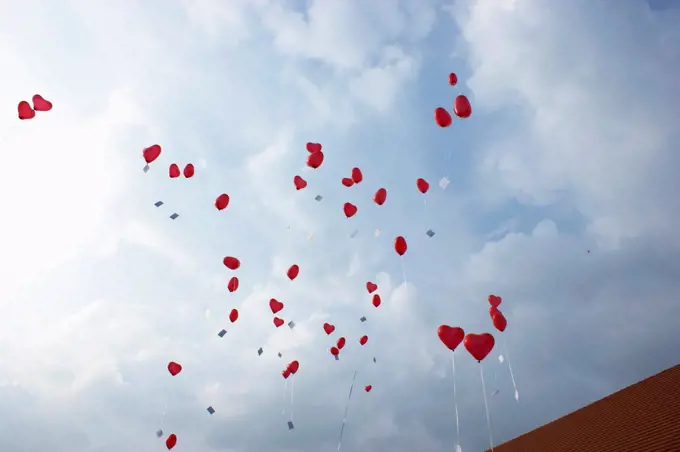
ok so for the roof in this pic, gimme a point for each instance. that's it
(643, 417)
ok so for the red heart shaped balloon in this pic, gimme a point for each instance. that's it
(315, 159)
(293, 366)
(222, 201)
(40, 104)
(442, 117)
(341, 343)
(231, 263)
(286, 373)
(174, 171)
(462, 107)
(313, 147)
(371, 287)
(453, 79)
(357, 175)
(400, 245)
(347, 182)
(451, 336)
(349, 209)
(293, 272)
(368, 388)
(492, 310)
(376, 300)
(189, 170)
(233, 315)
(278, 321)
(328, 328)
(25, 110)
(479, 345)
(151, 153)
(174, 368)
(232, 285)
(423, 185)
(363, 340)
(171, 441)
(380, 196)
(499, 321)
(299, 183)
(495, 300)
(275, 305)
(335, 351)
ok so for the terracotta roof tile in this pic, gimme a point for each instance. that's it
(644, 417)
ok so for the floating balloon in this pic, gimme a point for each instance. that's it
(313, 147)
(334, 351)
(40, 104)
(278, 321)
(171, 441)
(315, 159)
(492, 311)
(499, 321)
(25, 111)
(479, 345)
(231, 263)
(400, 245)
(275, 305)
(173, 171)
(233, 315)
(371, 287)
(376, 300)
(357, 176)
(363, 339)
(423, 185)
(174, 368)
(286, 373)
(368, 388)
(347, 182)
(222, 201)
(453, 79)
(293, 272)
(462, 107)
(299, 183)
(293, 367)
(341, 343)
(151, 153)
(349, 209)
(189, 170)
(495, 300)
(442, 117)
(328, 328)
(451, 336)
(232, 285)
(380, 196)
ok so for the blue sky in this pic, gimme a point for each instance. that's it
(571, 147)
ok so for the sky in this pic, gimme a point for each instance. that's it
(571, 148)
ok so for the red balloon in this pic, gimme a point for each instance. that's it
(328, 328)
(315, 159)
(293, 272)
(349, 209)
(25, 110)
(299, 183)
(174, 368)
(275, 305)
(278, 321)
(357, 176)
(380, 196)
(462, 107)
(495, 300)
(442, 117)
(347, 182)
(286, 373)
(453, 79)
(451, 336)
(293, 367)
(173, 170)
(363, 339)
(233, 315)
(222, 201)
(341, 343)
(371, 287)
(492, 311)
(231, 263)
(189, 170)
(232, 285)
(313, 147)
(499, 321)
(479, 345)
(171, 441)
(151, 153)
(40, 104)
(335, 351)
(400, 245)
(376, 300)
(423, 185)
(368, 388)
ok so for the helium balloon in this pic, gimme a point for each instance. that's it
(451, 336)
(442, 117)
(499, 321)
(328, 328)
(347, 182)
(232, 285)
(313, 147)
(376, 300)
(462, 107)
(151, 153)
(357, 176)
(275, 305)
(25, 110)
(479, 345)
(174, 368)
(293, 272)
(231, 263)
(299, 183)
(233, 315)
(189, 170)
(400, 245)
(495, 300)
(315, 159)
(222, 201)
(349, 209)
(423, 185)
(40, 104)
(453, 79)
(173, 171)
(371, 287)
(278, 321)
(380, 196)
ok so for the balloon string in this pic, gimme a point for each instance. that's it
(292, 395)
(486, 406)
(455, 398)
(285, 396)
(512, 375)
(403, 268)
(344, 418)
